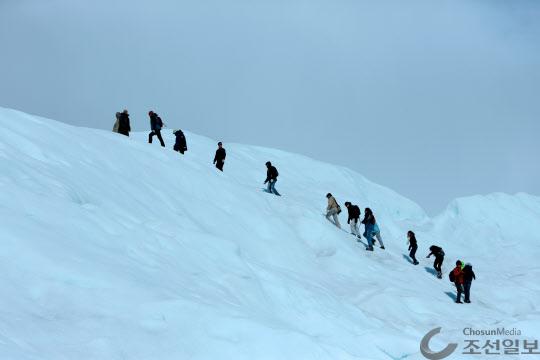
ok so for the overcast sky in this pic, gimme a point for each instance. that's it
(435, 99)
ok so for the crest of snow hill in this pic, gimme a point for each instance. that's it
(113, 248)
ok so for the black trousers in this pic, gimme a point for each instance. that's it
(459, 288)
(178, 148)
(413, 253)
(158, 134)
(219, 164)
(467, 290)
(438, 263)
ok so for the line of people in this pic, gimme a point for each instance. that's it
(371, 229)
(462, 275)
(122, 126)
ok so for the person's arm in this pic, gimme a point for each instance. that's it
(473, 275)
(224, 154)
(431, 253)
(215, 157)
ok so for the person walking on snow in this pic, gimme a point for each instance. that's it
(456, 276)
(124, 126)
(413, 246)
(116, 123)
(219, 158)
(439, 258)
(354, 215)
(371, 229)
(180, 143)
(271, 178)
(333, 209)
(468, 277)
(155, 126)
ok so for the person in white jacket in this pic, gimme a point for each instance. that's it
(332, 210)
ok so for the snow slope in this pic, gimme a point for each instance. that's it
(112, 248)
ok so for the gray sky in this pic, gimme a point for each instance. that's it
(435, 99)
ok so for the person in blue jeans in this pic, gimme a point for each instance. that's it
(371, 229)
(271, 178)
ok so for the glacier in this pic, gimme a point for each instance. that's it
(112, 248)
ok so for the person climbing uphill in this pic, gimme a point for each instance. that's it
(219, 158)
(116, 123)
(354, 215)
(124, 126)
(180, 144)
(413, 246)
(155, 126)
(271, 178)
(439, 258)
(468, 277)
(333, 209)
(371, 229)
(456, 276)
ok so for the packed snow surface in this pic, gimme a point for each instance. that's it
(112, 248)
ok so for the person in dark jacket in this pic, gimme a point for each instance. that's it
(180, 144)
(413, 246)
(271, 178)
(155, 126)
(439, 258)
(221, 154)
(458, 281)
(354, 215)
(468, 277)
(371, 229)
(124, 126)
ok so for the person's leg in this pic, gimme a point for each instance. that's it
(412, 255)
(330, 214)
(467, 291)
(336, 219)
(219, 165)
(158, 133)
(354, 227)
(150, 136)
(274, 188)
(378, 236)
(269, 187)
(369, 235)
(459, 289)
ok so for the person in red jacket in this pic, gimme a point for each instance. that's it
(458, 281)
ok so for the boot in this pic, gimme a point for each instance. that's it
(369, 248)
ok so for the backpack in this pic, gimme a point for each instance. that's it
(451, 276)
